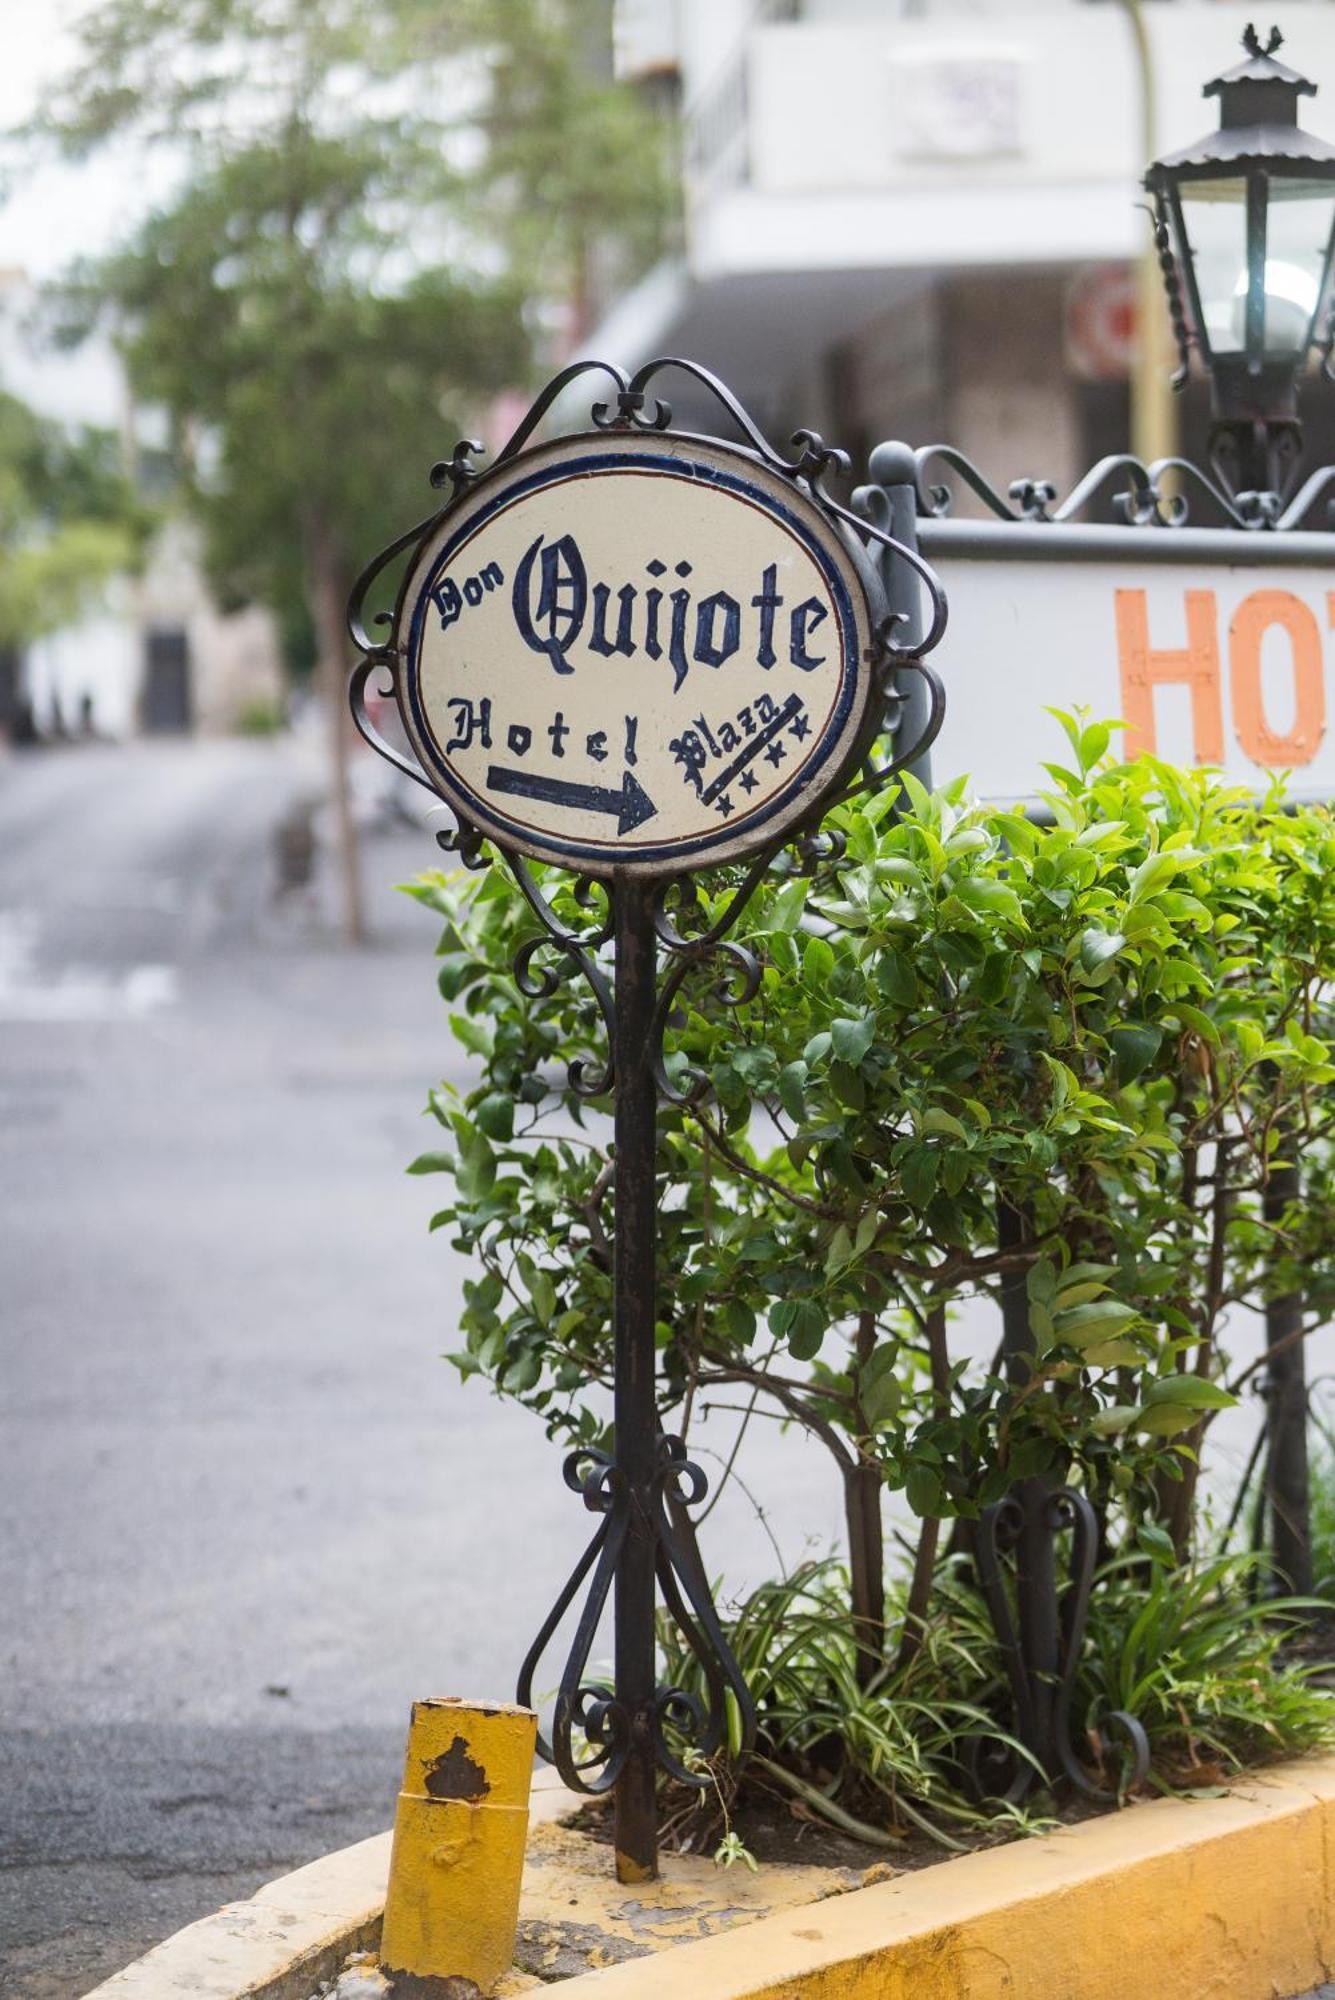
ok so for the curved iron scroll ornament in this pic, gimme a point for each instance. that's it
(613, 1737)
(1138, 493)
(590, 1710)
(1041, 1629)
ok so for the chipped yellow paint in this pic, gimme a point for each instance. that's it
(575, 1917)
(459, 1835)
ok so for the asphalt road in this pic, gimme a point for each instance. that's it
(247, 1514)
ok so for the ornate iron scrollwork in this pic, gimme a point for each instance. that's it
(589, 1708)
(1040, 1628)
(1144, 501)
(1141, 503)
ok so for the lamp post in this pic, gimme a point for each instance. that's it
(1246, 216)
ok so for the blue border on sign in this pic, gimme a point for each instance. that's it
(484, 810)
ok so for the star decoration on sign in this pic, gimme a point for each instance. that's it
(749, 781)
(724, 804)
(799, 727)
(776, 753)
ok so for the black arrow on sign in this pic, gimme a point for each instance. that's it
(631, 803)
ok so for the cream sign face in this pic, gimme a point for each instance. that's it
(635, 653)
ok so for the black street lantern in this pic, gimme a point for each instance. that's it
(1247, 214)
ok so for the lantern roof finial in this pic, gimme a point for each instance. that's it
(1253, 90)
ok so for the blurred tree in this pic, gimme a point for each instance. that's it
(359, 239)
(69, 520)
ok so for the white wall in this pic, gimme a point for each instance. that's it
(1022, 94)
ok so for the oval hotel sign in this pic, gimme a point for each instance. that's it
(639, 653)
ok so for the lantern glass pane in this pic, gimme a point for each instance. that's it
(1214, 215)
(1299, 220)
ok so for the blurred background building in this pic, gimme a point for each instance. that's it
(922, 220)
(154, 652)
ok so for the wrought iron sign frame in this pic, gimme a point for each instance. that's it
(1155, 495)
(616, 1737)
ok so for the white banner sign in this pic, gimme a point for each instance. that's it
(1215, 648)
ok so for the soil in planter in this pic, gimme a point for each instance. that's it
(775, 1830)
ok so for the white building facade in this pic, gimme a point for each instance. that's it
(920, 220)
(155, 654)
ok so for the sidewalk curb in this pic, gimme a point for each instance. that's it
(1179, 1899)
(1214, 1899)
(292, 1933)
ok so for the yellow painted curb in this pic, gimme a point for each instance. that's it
(1219, 1899)
(1216, 1899)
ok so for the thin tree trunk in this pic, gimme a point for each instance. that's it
(1286, 1401)
(866, 1540)
(924, 1561)
(1176, 1498)
(327, 596)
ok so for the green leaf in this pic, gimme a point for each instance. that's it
(786, 909)
(922, 1489)
(1199, 1023)
(1154, 873)
(852, 1039)
(432, 1163)
(739, 1321)
(543, 1294)
(1092, 744)
(1117, 1417)
(917, 1175)
(476, 1171)
(989, 899)
(817, 963)
(1100, 1319)
(1165, 1419)
(1080, 1294)
(897, 979)
(1099, 948)
(840, 1250)
(1111, 1354)
(455, 970)
(807, 1330)
(1190, 1392)
(937, 1120)
(881, 1400)
(1134, 1046)
(791, 1088)
(477, 1036)
(1157, 1542)
(496, 1115)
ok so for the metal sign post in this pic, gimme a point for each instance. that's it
(634, 654)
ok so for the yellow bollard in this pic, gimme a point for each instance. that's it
(459, 1832)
